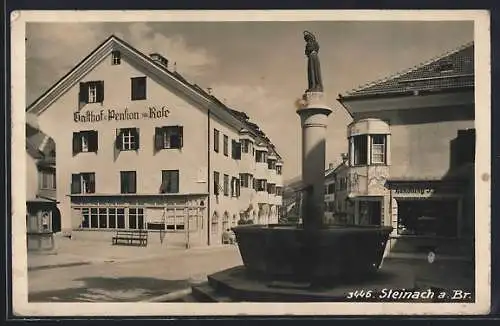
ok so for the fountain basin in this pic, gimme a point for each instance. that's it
(328, 255)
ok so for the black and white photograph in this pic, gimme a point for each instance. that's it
(269, 162)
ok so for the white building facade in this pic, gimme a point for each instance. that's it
(140, 147)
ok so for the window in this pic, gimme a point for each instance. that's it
(169, 181)
(378, 149)
(85, 141)
(330, 188)
(226, 145)
(216, 183)
(260, 156)
(360, 150)
(466, 143)
(246, 180)
(236, 150)
(92, 92)
(127, 139)
(278, 169)
(115, 57)
(235, 187)
(169, 137)
(271, 164)
(216, 140)
(136, 218)
(226, 185)
(138, 88)
(271, 188)
(261, 185)
(83, 183)
(47, 179)
(246, 146)
(128, 182)
(279, 191)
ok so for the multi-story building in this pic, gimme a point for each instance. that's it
(411, 154)
(138, 146)
(42, 214)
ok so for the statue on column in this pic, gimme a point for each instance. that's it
(313, 67)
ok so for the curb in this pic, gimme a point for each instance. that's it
(42, 267)
(175, 295)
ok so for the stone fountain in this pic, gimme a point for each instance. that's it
(310, 261)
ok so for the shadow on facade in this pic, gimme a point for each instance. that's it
(107, 289)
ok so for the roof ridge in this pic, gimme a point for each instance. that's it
(413, 68)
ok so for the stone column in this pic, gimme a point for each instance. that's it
(313, 115)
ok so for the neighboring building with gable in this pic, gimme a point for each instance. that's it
(138, 146)
(412, 151)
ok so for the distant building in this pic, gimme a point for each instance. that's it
(139, 147)
(411, 154)
(42, 215)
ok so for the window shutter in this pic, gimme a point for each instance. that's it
(84, 93)
(91, 184)
(77, 143)
(93, 141)
(100, 91)
(175, 181)
(135, 132)
(159, 145)
(75, 184)
(119, 139)
(132, 182)
(180, 129)
(238, 150)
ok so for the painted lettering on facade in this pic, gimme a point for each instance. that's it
(121, 115)
(415, 190)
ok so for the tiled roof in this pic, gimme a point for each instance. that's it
(453, 70)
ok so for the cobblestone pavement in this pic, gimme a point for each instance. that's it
(127, 279)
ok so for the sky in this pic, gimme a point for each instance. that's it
(256, 67)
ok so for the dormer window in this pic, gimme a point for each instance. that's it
(115, 58)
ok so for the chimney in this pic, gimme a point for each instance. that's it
(159, 59)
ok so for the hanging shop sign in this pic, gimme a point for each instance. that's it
(152, 112)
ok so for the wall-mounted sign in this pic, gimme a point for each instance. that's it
(120, 115)
(415, 190)
(426, 189)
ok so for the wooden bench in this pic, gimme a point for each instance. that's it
(131, 238)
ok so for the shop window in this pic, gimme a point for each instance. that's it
(427, 217)
(120, 218)
(278, 169)
(92, 92)
(378, 149)
(245, 180)
(175, 219)
(360, 150)
(112, 218)
(236, 150)
(466, 146)
(261, 156)
(136, 218)
(127, 139)
(169, 181)
(128, 182)
(83, 183)
(138, 88)
(103, 218)
(271, 164)
(261, 185)
(216, 183)
(226, 145)
(115, 58)
(169, 137)
(216, 140)
(370, 212)
(226, 185)
(85, 141)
